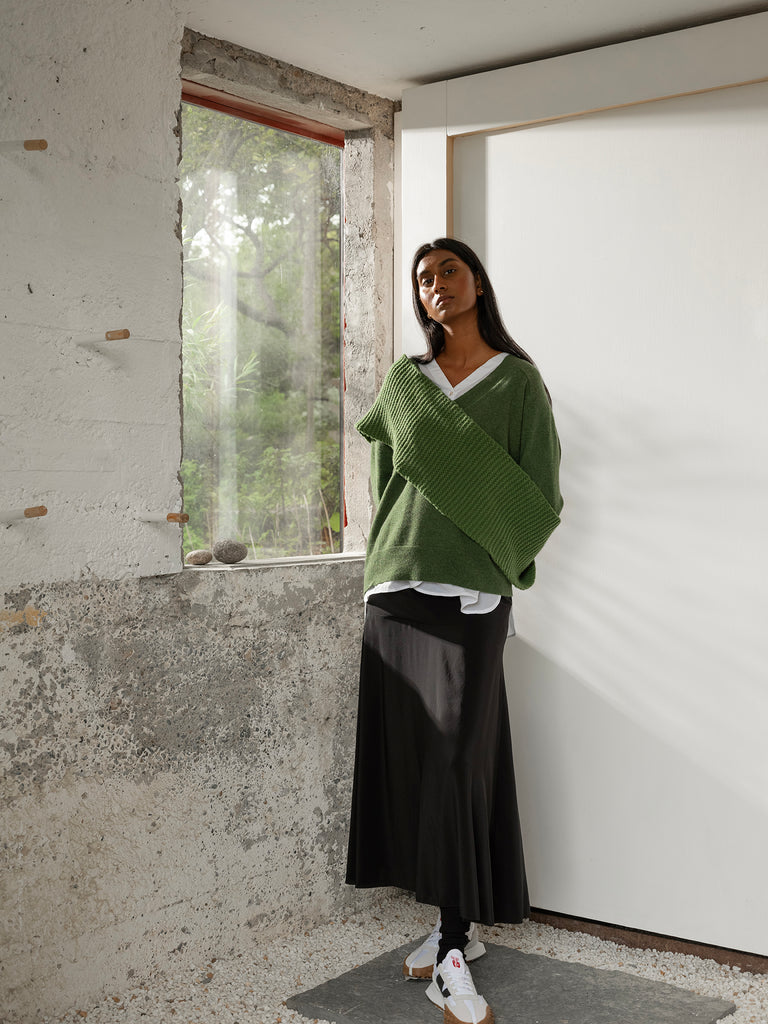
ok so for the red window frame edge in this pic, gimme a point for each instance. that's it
(225, 102)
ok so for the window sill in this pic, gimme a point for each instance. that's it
(273, 563)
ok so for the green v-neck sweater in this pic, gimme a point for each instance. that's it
(466, 491)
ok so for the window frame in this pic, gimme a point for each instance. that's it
(227, 103)
(295, 124)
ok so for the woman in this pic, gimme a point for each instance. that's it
(464, 475)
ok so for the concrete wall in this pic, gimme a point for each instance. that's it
(89, 244)
(177, 757)
(176, 747)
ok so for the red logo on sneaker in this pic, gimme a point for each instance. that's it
(455, 963)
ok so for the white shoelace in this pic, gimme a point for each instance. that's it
(458, 979)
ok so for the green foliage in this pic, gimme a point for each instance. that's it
(261, 353)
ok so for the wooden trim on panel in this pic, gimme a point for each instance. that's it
(519, 125)
(449, 187)
(680, 63)
(752, 962)
(216, 99)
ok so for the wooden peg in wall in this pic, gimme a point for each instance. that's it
(11, 515)
(163, 517)
(18, 145)
(120, 335)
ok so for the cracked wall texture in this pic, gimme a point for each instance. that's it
(176, 756)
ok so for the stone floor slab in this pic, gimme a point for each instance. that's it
(522, 988)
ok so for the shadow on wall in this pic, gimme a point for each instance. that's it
(623, 824)
(648, 590)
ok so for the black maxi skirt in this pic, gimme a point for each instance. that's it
(434, 806)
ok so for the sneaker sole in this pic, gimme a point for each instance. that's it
(435, 996)
(417, 973)
(425, 973)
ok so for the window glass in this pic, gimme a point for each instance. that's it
(261, 229)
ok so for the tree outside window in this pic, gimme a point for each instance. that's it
(261, 336)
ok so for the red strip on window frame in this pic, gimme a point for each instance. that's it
(269, 116)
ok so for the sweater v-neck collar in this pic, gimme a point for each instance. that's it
(436, 374)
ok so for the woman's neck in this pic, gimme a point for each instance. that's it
(463, 354)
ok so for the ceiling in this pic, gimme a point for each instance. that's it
(385, 46)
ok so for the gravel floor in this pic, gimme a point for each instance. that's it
(251, 988)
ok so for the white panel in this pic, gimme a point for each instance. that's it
(622, 825)
(628, 250)
(708, 57)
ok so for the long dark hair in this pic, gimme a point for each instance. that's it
(489, 322)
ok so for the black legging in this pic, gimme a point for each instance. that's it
(453, 932)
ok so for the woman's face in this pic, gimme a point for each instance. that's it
(447, 287)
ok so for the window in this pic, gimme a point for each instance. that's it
(261, 346)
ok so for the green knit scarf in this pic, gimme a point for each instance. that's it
(461, 470)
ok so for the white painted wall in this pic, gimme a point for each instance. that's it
(636, 274)
(88, 244)
(628, 251)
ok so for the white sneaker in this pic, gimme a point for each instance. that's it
(452, 989)
(420, 963)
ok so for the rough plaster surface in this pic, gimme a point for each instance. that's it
(88, 245)
(176, 756)
(256, 76)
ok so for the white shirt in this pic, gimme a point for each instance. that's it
(473, 602)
